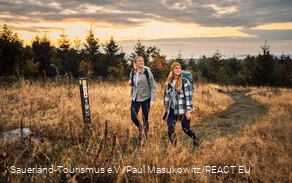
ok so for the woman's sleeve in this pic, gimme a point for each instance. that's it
(188, 95)
(166, 98)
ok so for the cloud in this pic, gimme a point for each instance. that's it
(37, 29)
(239, 15)
(270, 34)
(226, 13)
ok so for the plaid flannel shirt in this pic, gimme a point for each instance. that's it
(183, 98)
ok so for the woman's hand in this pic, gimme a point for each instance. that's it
(188, 115)
(130, 82)
(151, 104)
(164, 113)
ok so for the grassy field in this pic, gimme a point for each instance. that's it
(245, 136)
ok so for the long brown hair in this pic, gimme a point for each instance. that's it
(178, 84)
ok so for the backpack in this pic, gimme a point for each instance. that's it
(146, 72)
(186, 74)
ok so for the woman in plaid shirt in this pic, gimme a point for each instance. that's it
(178, 103)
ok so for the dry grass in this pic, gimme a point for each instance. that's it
(53, 113)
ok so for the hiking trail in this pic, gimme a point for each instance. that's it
(244, 111)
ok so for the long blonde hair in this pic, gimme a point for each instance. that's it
(135, 60)
(178, 84)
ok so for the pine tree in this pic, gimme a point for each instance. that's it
(265, 67)
(180, 59)
(64, 42)
(92, 53)
(91, 46)
(113, 60)
(111, 47)
(11, 61)
(68, 57)
(43, 50)
(139, 50)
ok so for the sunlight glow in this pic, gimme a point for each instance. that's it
(160, 30)
(153, 30)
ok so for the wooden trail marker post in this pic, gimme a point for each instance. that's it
(84, 100)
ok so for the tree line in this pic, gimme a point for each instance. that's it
(108, 62)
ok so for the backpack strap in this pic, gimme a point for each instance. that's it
(147, 75)
(132, 77)
(183, 83)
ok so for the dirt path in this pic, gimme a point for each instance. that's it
(244, 111)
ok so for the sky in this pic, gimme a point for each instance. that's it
(192, 28)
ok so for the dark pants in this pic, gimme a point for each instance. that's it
(135, 106)
(171, 122)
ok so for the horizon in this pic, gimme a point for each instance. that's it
(191, 27)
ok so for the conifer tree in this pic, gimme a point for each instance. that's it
(91, 53)
(43, 50)
(113, 61)
(11, 62)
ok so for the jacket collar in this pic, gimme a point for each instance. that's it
(143, 70)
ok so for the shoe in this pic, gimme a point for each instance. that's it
(139, 142)
(196, 142)
(139, 138)
(174, 142)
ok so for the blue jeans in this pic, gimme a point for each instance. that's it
(135, 106)
(185, 123)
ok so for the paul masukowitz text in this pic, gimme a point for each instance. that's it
(131, 169)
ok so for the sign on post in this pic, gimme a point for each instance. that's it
(84, 100)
